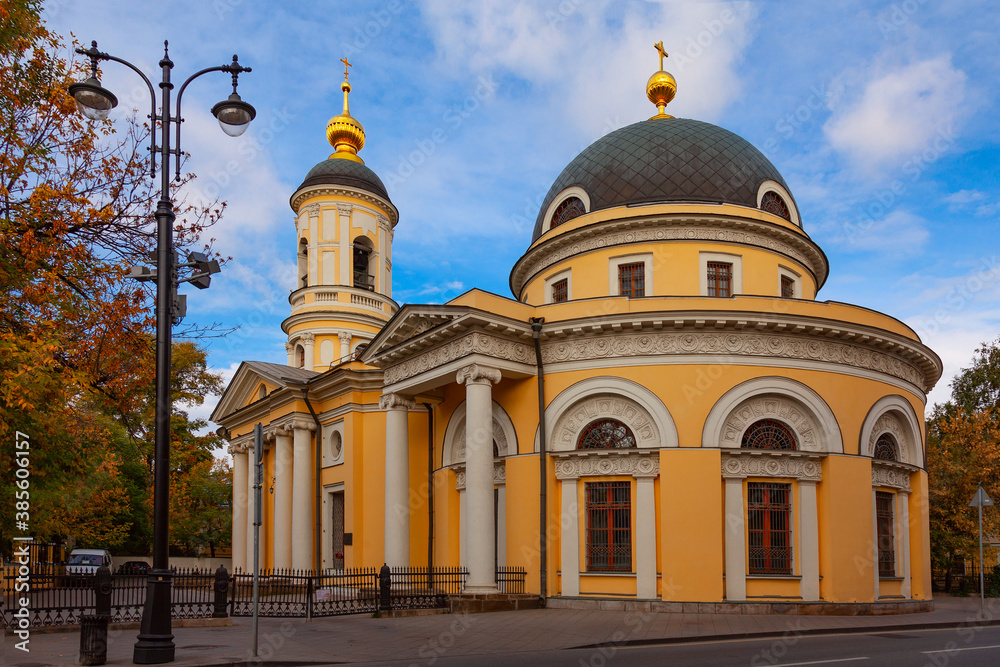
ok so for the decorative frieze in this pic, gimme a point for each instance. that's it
(755, 463)
(892, 476)
(471, 343)
(596, 462)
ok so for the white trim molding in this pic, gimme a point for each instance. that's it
(627, 401)
(726, 258)
(893, 414)
(333, 444)
(566, 274)
(572, 191)
(600, 462)
(795, 276)
(762, 463)
(453, 452)
(644, 258)
(786, 196)
(787, 400)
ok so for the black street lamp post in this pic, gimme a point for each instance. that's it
(155, 642)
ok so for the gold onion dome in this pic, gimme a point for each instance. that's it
(661, 87)
(344, 132)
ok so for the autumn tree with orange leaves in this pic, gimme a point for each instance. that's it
(76, 350)
(963, 451)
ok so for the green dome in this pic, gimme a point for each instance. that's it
(337, 171)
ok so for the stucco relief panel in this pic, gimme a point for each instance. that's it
(572, 422)
(778, 407)
(474, 343)
(889, 423)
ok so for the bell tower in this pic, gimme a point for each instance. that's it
(344, 225)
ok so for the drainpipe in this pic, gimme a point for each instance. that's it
(536, 330)
(319, 490)
(430, 492)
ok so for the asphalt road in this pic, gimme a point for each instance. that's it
(949, 647)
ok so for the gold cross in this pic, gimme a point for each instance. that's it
(347, 64)
(663, 54)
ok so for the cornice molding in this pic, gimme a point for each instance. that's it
(756, 463)
(593, 463)
(343, 191)
(475, 342)
(669, 228)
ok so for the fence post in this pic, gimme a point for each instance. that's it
(221, 592)
(385, 587)
(309, 595)
(94, 629)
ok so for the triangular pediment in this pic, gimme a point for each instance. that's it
(243, 390)
(412, 321)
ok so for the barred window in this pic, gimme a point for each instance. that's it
(720, 279)
(885, 526)
(885, 448)
(773, 203)
(606, 434)
(560, 291)
(632, 279)
(769, 522)
(787, 287)
(566, 211)
(769, 434)
(609, 526)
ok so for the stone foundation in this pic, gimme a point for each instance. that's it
(480, 603)
(884, 607)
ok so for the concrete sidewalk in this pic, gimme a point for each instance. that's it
(420, 640)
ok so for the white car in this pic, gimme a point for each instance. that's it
(86, 561)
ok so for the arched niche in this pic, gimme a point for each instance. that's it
(624, 400)
(785, 400)
(893, 415)
(454, 436)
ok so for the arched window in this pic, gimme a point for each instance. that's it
(773, 203)
(885, 448)
(363, 251)
(606, 434)
(769, 434)
(303, 263)
(566, 211)
(300, 356)
(359, 350)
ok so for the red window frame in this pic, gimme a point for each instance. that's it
(632, 279)
(769, 532)
(787, 287)
(720, 279)
(886, 531)
(609, 526)
(560, 291)
(566, 211)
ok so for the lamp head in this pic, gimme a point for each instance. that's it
(92, 99)
(234, 115)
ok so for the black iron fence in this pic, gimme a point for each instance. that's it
(966, 581)
(57, 598)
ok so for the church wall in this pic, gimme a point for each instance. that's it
(684, 475)
(847, 550)
(522, 519)
(920, 538)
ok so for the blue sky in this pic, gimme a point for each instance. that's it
(881, 117)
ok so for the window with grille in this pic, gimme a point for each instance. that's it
(632, 279)
(787, 287)
(300, 356)
(609, 526)
(720, 279)
(885, 448)
(560, 291)
(772, 203)
(606, 434)
(769, 434)
(886, 534)
(566, 211)
(769, 513)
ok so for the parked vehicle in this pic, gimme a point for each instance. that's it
(134, 567)
(84, 562)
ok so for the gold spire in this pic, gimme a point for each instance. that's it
(345, 134)
(661, 87)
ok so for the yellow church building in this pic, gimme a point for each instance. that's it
(662, 414)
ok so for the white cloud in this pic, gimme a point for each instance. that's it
(898, 114)
(898, 234)
(965, 197)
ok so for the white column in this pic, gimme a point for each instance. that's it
(251, 470)
(303, 494)
(345, 344)
(309, 343)
(481, 542)
(570, 540)
(463, 525)
(736, 573)
(501, 525)
(239, 453)
(283, 497)
(290, 350)
(875, 543)
(344, 244)
(809, 541)
(904, 541)
(645, 539)
(397, 479)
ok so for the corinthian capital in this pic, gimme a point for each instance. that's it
(307, 338)
(344, 336)
(312, 210)
(395, 402)
(476, 374)
(302, 424)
